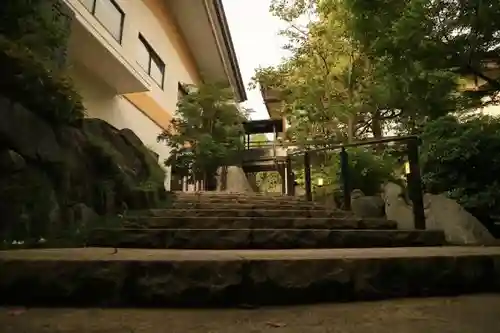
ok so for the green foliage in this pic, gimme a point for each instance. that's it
(359, 68)
(43, 26)
(268, 182)
(206, 131)
(368, 170)
(26, 80)
(445, 38)
(460, 158)
(339, 85)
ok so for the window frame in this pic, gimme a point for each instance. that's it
(118, 8)
(153, 56)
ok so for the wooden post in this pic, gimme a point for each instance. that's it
(415, 185)
(346, 181)
(282, 172)
(290, 188)
(307, 175)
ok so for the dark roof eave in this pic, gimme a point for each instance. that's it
(228, 43)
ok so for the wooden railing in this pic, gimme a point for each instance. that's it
(414, 177)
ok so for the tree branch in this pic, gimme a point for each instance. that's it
(318, 52)
(494, 83)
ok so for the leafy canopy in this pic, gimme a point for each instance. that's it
(334, 86)
(206, 131)
(453, 36)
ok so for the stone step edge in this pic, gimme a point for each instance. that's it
(237, 209)
(261, 211)
(263, 203)
(261, 238)
(271, 229)
(130, 277)
(196, 222)
(301, 218)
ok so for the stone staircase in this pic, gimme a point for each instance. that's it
(235, 221)
(224, 249)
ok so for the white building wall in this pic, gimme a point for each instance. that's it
(139, 19)
(101, 100)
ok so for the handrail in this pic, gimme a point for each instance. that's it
(414, 178)
(358, 143)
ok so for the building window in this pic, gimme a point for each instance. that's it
(151, 62)
(109, 14)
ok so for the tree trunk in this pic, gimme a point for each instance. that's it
(351, 128)
(377, 130)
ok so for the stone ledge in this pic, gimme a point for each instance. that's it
(216, 222)
(96, 277)
(248, 205)
(261, 238)
(243, 212)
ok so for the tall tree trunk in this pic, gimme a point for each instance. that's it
(351, 123)
(377, 129)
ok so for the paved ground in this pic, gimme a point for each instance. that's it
(207, 255)
(470, 314)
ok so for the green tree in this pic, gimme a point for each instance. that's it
(205, 133)
(317, 82)
(335, 87)
(447, 39)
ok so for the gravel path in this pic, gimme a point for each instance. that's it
(466, 314)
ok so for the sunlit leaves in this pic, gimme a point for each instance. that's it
(206, 131)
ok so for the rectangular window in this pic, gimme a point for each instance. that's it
(151, 62)
(109, 14)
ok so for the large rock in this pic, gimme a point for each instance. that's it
(441, 213)
(10, 161)
(109, 139)
(397, 208)
(48, 170)
(24, 132)
(28, 204)
(122, 167)
(232, 179)
(366, 206)
(460, 226)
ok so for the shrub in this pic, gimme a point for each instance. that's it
(26, 80)
(367, 170)
(462, 159)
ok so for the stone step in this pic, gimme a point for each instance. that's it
(261, 238)
(240, 213)
(247, 205)
(216, 222)
(148, 278)
(241, 201)
(232, 195)
(236, 198)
